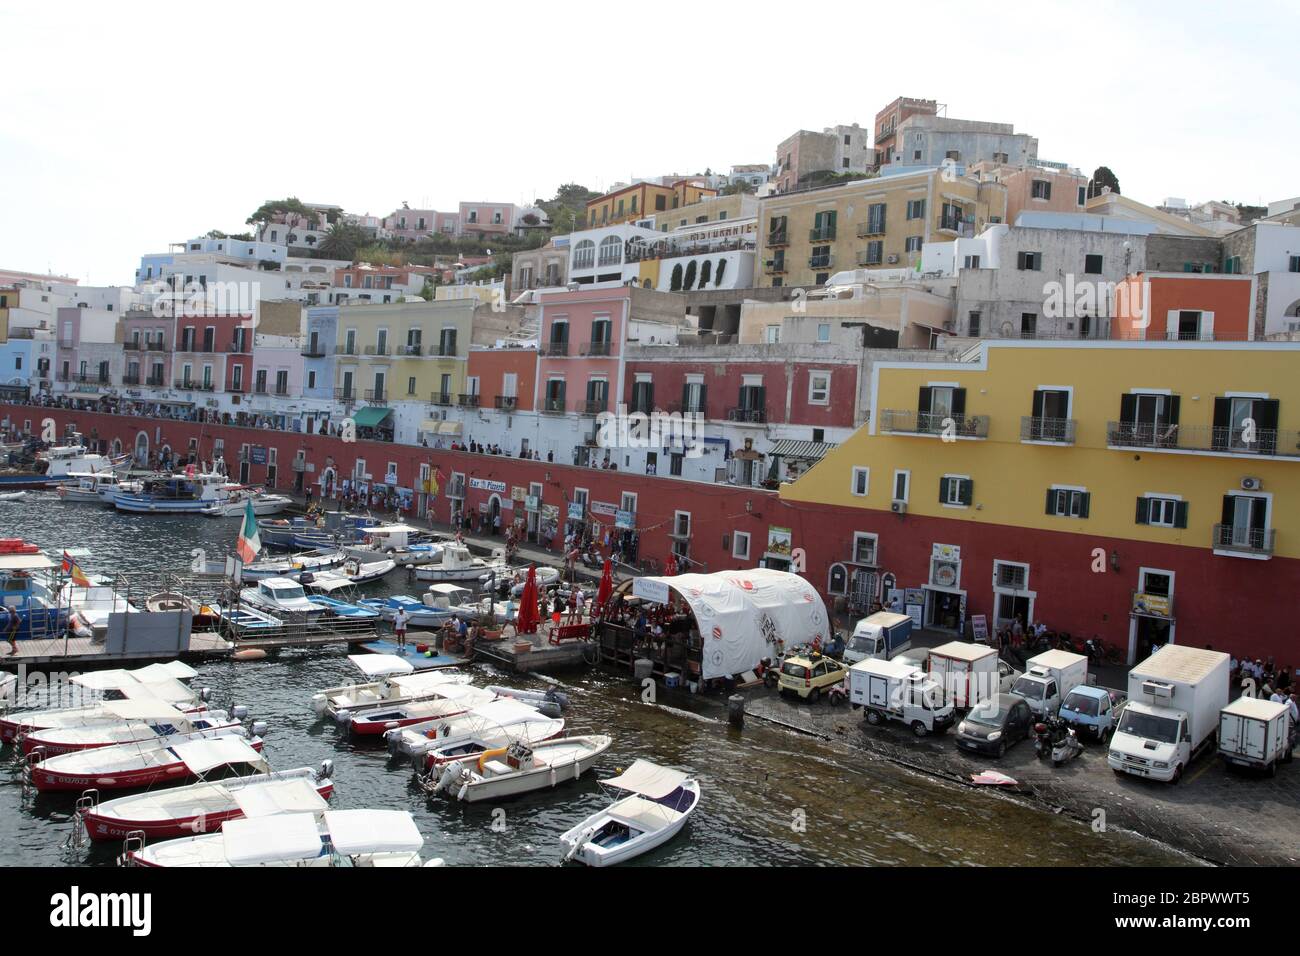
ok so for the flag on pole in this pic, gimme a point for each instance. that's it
(433, 483)
(79, 579)
(66, 566)
(250, 542)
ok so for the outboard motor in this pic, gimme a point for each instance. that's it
(343, 717)
(326, 771)
(550, 708)
(238, 712)
(205, 694)
(259, 728)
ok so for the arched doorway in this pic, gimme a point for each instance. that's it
(327, 480)
(142, 449)
(494, 513)
(117, 447)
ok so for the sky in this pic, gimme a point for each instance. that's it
(127, 127)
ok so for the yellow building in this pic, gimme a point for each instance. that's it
(406, 351)
(714, 209)
(877, 223)
(1084, 484)
(642, 200)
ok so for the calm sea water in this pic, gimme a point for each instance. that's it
(858, 809)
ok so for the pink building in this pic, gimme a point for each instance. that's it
(213, 352)
(415, 224)
(487, 218)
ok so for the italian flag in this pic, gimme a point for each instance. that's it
(250, 543)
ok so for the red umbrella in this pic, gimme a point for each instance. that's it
(526, 621)
(606, 588)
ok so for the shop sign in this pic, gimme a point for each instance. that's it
(1157, 604)
(779, 542)
(650, 589)
(946, 552)
(532, 502)
(483, 484)
(604, 508)
(625, 520)
(257, 455)
(518, 493)
(575, 510)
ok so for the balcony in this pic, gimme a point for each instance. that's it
(553, 406)
(953, 224)
(595, 348)
(821, 262)
(594, 406)
(413, 351)
(315, 351)
(381, 351)
(1265, 442)
(376, 396)
(235, 388)
(687, 408)
(775, 239)
(238, 347)
(345, 395)
(904, 421)
(132, 346)
(440, 398)
(1256, 542)
(1058, 431)
(349, 348)
(556, 348)
(774, 267)
(824, 234)
(282, 391)
(467, 401)
(747, 416)
(871, 257)
(506, 403)
(866, 229)
(442, 351)
(260, 389)
(155, 345)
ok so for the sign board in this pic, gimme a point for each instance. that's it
(604, 508)
(257, 455)
(914, 612)
(625, 520)
(914, 596)
(650, 589)
(551, 513)
(518, 493)
(575, 510)
(1155, 604)
(979, 625)
(946, 552)
(532, 502)
(779, 541)
(482, 484)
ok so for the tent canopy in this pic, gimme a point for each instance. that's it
(741, 614)
(372, 831)
(370, 417)
(205, 754)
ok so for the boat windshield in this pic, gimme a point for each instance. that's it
(1150, 727)
(286, 592)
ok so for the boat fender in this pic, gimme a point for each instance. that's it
(206, 693)
(238, 712)
(487, 755)
(391, 725)
(249, 654)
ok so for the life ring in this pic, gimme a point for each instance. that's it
(487, 755)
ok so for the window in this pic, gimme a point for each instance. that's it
(611, 251)
(1068, 502)
(819, 388)
(913, 244)
(311, 379)
(1083, 195)
(1029, 261)
(956, 491)
(861, 482)
(1028, 325)
(1246, 424)
(823, 332)
(876, 219)
(902, 481)
(1092, 265)
(916, 209)
(628, 502)
(584, 254)
(740, 545)
(410, 385)
(973, 323)
(1293, 264)
(772, 334)
(875, 253)
(864, 547)
(1042, 189)
(1162, 511)
(1011, 575)
(1244, 523)
(938, 403)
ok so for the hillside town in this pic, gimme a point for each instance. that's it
(772, 367)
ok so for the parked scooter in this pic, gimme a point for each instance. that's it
(592, 559)
(1042, 741)
(1066, 748)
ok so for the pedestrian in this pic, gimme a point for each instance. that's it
(12, 630)
(399, 626)
(496, 524)
(580, 602)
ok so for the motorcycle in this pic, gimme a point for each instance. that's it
(1066, 748)
(1042, 741)
(592, 559)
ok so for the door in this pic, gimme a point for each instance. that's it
(878, 691)
(243, 472)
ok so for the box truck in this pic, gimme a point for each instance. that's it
(1256, 733)
(1174, 699)
(882, 635)
(889, 690)
(969, 673)
(1048, 677)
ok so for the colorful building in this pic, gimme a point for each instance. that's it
(643, 200)
(1136, 491)
(1177, 306)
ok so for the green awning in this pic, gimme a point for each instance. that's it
(370, 417)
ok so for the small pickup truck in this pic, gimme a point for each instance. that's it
(1092, 711)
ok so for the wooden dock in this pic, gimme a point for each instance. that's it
(82, 651)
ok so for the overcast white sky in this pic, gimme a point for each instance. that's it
(128, 126)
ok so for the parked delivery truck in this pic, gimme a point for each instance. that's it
(970, 673)
(890, 690)
(1175, 696)
(1048, 677)
(1256, 733)
(882, 635)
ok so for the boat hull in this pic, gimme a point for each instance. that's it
(46, 780)
(103, 827)
(540, 778)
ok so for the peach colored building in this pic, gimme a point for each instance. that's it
(1182, 307)
(1036, 188)
(506, 377)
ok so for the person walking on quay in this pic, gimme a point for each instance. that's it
(12, 630)
(399, 626)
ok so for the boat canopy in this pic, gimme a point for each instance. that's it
(168, 688)
(449, 590)
(200, 756)
(115, 679)
(423, 681)
(506, 710)
(648, 779)
(295, 795)
(25, 562)
(285, 836)
(381, 665)
(177, 670)
(390, 529)
(372, 831)
(741, 613)
(146, 708)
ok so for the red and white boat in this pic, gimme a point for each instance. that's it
(416, 740)
(143, 764)
(204, 807)
(449, 700)
(393, 682)
(139, 721)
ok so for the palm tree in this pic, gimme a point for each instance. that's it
(342, 241)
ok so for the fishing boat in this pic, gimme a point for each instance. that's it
(458, 564)
(39, 613)
(294, 564)
(234, 498)
(203, 807)
(392, 681)
(365, 838)
(447, 700)
(64, 460)
(398, 542)
(98, 487)
(144, 763)
(661, 801)
(140, 720)
(173, 494)
(283, 597)
(520, 768)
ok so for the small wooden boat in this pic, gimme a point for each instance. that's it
(350, 838)
(245, 618)
(520, 768)
(661, 802)
(394, 683)
(144, 763)
(449, 700)
(203, 807)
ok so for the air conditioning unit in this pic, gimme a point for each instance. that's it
(898, 507)
(1251, 484)
(893, 259)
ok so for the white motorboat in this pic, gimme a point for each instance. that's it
(460, 602)
(489, 720)
(393, 542)
(520, 768)
(137, 721)
(294, 564)
(98, 487)
(64, 460)
(13, 495)
(393, 681)
(234, 498)
(661, 801)
(512, 580)
(448, 700)
(283, 597)
(352, 573)
(89, 609)
(458, 564)
(324, 838)
(203, 807)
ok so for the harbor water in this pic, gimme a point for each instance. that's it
(770, 796)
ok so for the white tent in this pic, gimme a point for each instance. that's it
(741, 614)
